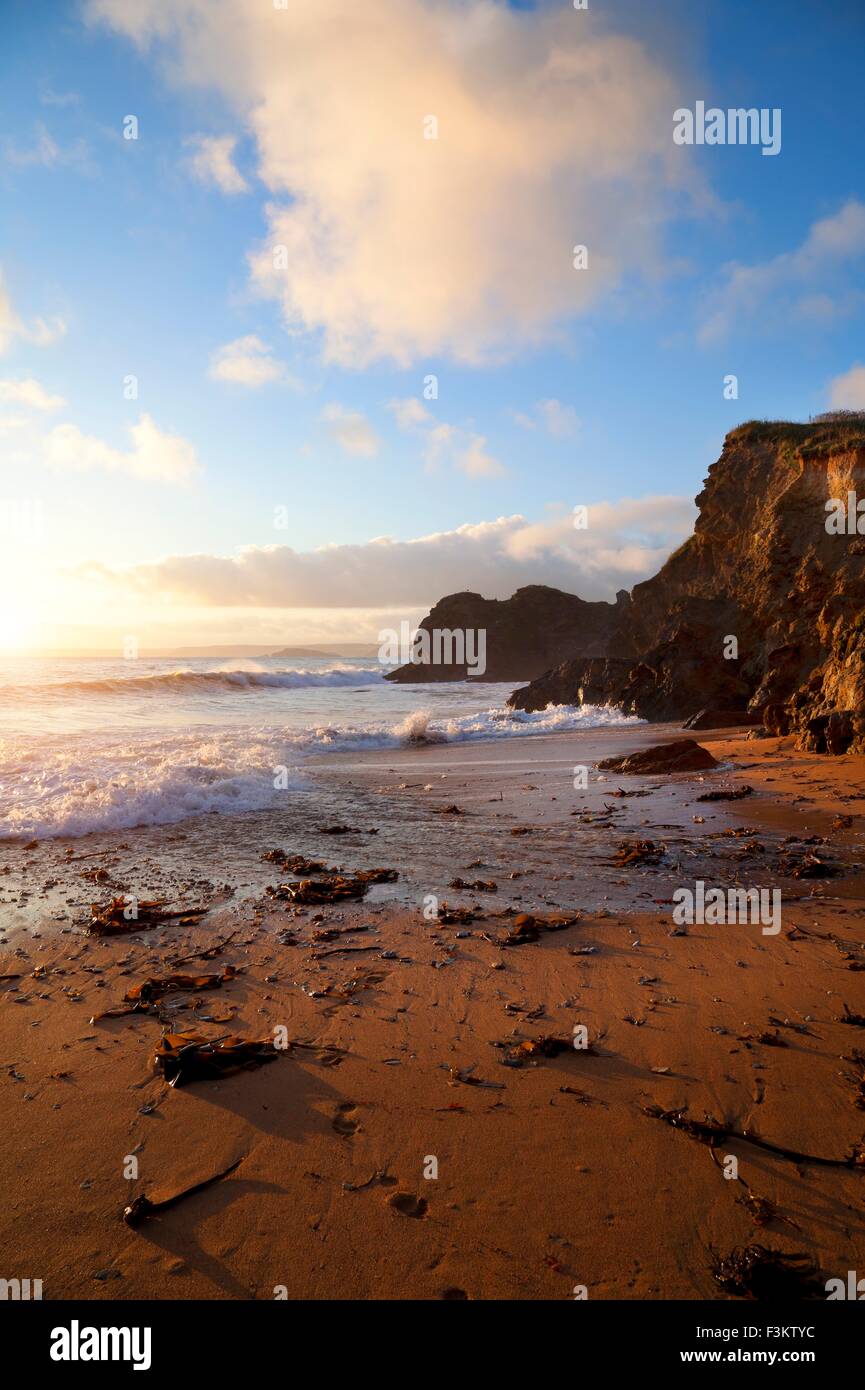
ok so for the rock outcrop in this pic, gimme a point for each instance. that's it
(681, 755)
(762, 609)
(523, 635)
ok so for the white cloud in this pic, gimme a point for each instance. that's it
(473, 459)
(625, 542)
(9, 320)
(523, 420)
(552, 131)
(49, 97)
(45, 153)
(42, 332)
(29, 393)
(557, 419)
(463, 448)
(847, 392)
(352, 431)
(246, 362)
(39, 333)
(409, 411)
(212, 162)
(154, 457)
(805, 284)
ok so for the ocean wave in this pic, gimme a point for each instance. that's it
(422, 727)
(51, 788)
(177, 682)
(84, 785)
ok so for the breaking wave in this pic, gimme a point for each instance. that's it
(177, 682)
(88, 782)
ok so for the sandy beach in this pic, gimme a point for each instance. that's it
(405, 1145)
(432, 675)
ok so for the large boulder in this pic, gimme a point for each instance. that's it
(681, 755)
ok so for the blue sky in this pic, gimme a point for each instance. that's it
(134, 257)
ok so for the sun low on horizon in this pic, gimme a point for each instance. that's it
(432, 677)
(300, 332)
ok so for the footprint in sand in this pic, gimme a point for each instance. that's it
(346, 1120)
(408, 1205)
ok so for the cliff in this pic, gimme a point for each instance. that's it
(524, 635)
(761, 609)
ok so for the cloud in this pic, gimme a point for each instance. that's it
(39, 333)
(558, 420)
(409, 411)
(155, 457)
(473, 459)
(246, 362)
(805, 284)
(29, 393)
(212, 162)
(49, 97)
(45, 153)
(847, 392)
(551, 131)
(352, 431)
(625, 542)
(462, 448)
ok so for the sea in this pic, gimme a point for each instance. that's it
(95, 745)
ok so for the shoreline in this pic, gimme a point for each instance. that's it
(550, 1173)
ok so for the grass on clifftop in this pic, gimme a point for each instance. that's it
(835, 429)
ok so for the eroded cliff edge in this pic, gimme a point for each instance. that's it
(761, 567)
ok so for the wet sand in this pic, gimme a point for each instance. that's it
(550, 1175)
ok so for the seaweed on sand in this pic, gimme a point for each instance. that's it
(144, 998)
(296, 863)
(711, 1131)
(639, 852)
(527, 926)
(121, 915)
(141, 1207)
(332, 888)
(187, 1057)
(517, 1054)
(756, 1271)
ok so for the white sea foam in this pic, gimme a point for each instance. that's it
(68, 786)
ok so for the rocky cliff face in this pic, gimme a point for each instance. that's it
(524, 635)
(763, 569)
